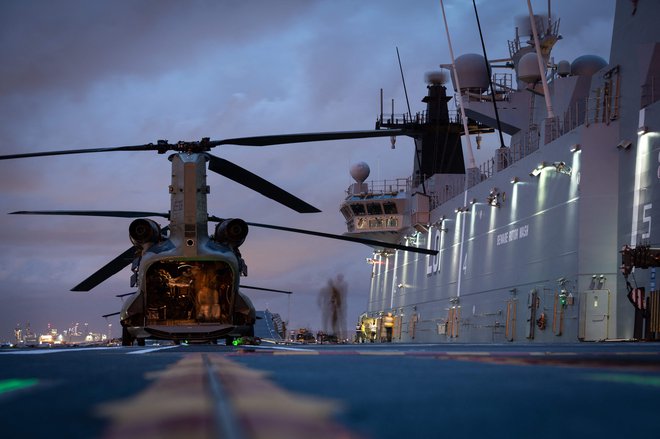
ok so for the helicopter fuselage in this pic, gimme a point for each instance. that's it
(188, 282)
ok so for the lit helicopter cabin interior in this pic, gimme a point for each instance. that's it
(189, 292)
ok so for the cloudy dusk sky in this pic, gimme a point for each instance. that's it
(85, 74)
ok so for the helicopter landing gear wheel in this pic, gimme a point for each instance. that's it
(126, 338)
(140, 341)
(229, 341)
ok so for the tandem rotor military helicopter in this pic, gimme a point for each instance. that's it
(188, 283)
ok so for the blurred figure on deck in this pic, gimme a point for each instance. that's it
(332, 300)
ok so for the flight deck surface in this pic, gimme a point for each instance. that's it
(341, 390)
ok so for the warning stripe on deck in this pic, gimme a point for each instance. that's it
(182, 402)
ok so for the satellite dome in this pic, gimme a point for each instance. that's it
(564, 68)
(587, 65)
(360, 172)
(436, 77)
(528, 68)
(472, 73)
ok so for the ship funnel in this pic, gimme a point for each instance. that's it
(436, 77)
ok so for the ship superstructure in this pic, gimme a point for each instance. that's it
(529, 242)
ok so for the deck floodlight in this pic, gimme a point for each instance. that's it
(624, 144)
(562, 168)
(537, 171)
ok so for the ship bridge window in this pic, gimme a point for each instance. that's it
(358, 208)
(346, 212)
(389, 208)
(374, 209)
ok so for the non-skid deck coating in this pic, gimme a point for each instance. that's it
(335, 391)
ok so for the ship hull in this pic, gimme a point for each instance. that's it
(529, 244)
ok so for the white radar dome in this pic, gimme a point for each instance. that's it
(587, 65)
(564, 68)
(360, 172)
(471, 69)
(528, 68)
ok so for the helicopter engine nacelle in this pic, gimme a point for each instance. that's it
(231, 232)
(143, 231)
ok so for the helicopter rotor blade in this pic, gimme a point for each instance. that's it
(258, 184)
(162, 146)
(104, 213)
(110, 269)
(111, 314)
(306, 137)
(126, 294)
(370, 242)
(146, 147)
(265, 289)
(117, 264)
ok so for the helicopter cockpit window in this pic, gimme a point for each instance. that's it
(189, 292)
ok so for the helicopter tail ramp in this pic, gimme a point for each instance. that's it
(197, 332)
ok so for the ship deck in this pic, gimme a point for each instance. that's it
(366, 390)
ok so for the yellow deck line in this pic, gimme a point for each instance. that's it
(178, 404)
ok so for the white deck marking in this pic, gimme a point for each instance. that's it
(281, 348)
(55, 351)
(146, 351)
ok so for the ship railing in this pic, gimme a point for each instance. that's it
(401, 119)
(386, 187)
(503, 158)
(421, 117)
(444, 193)
(597, 109)
(487, 169)
(545, 29)
(503, 83)
(483, 95)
